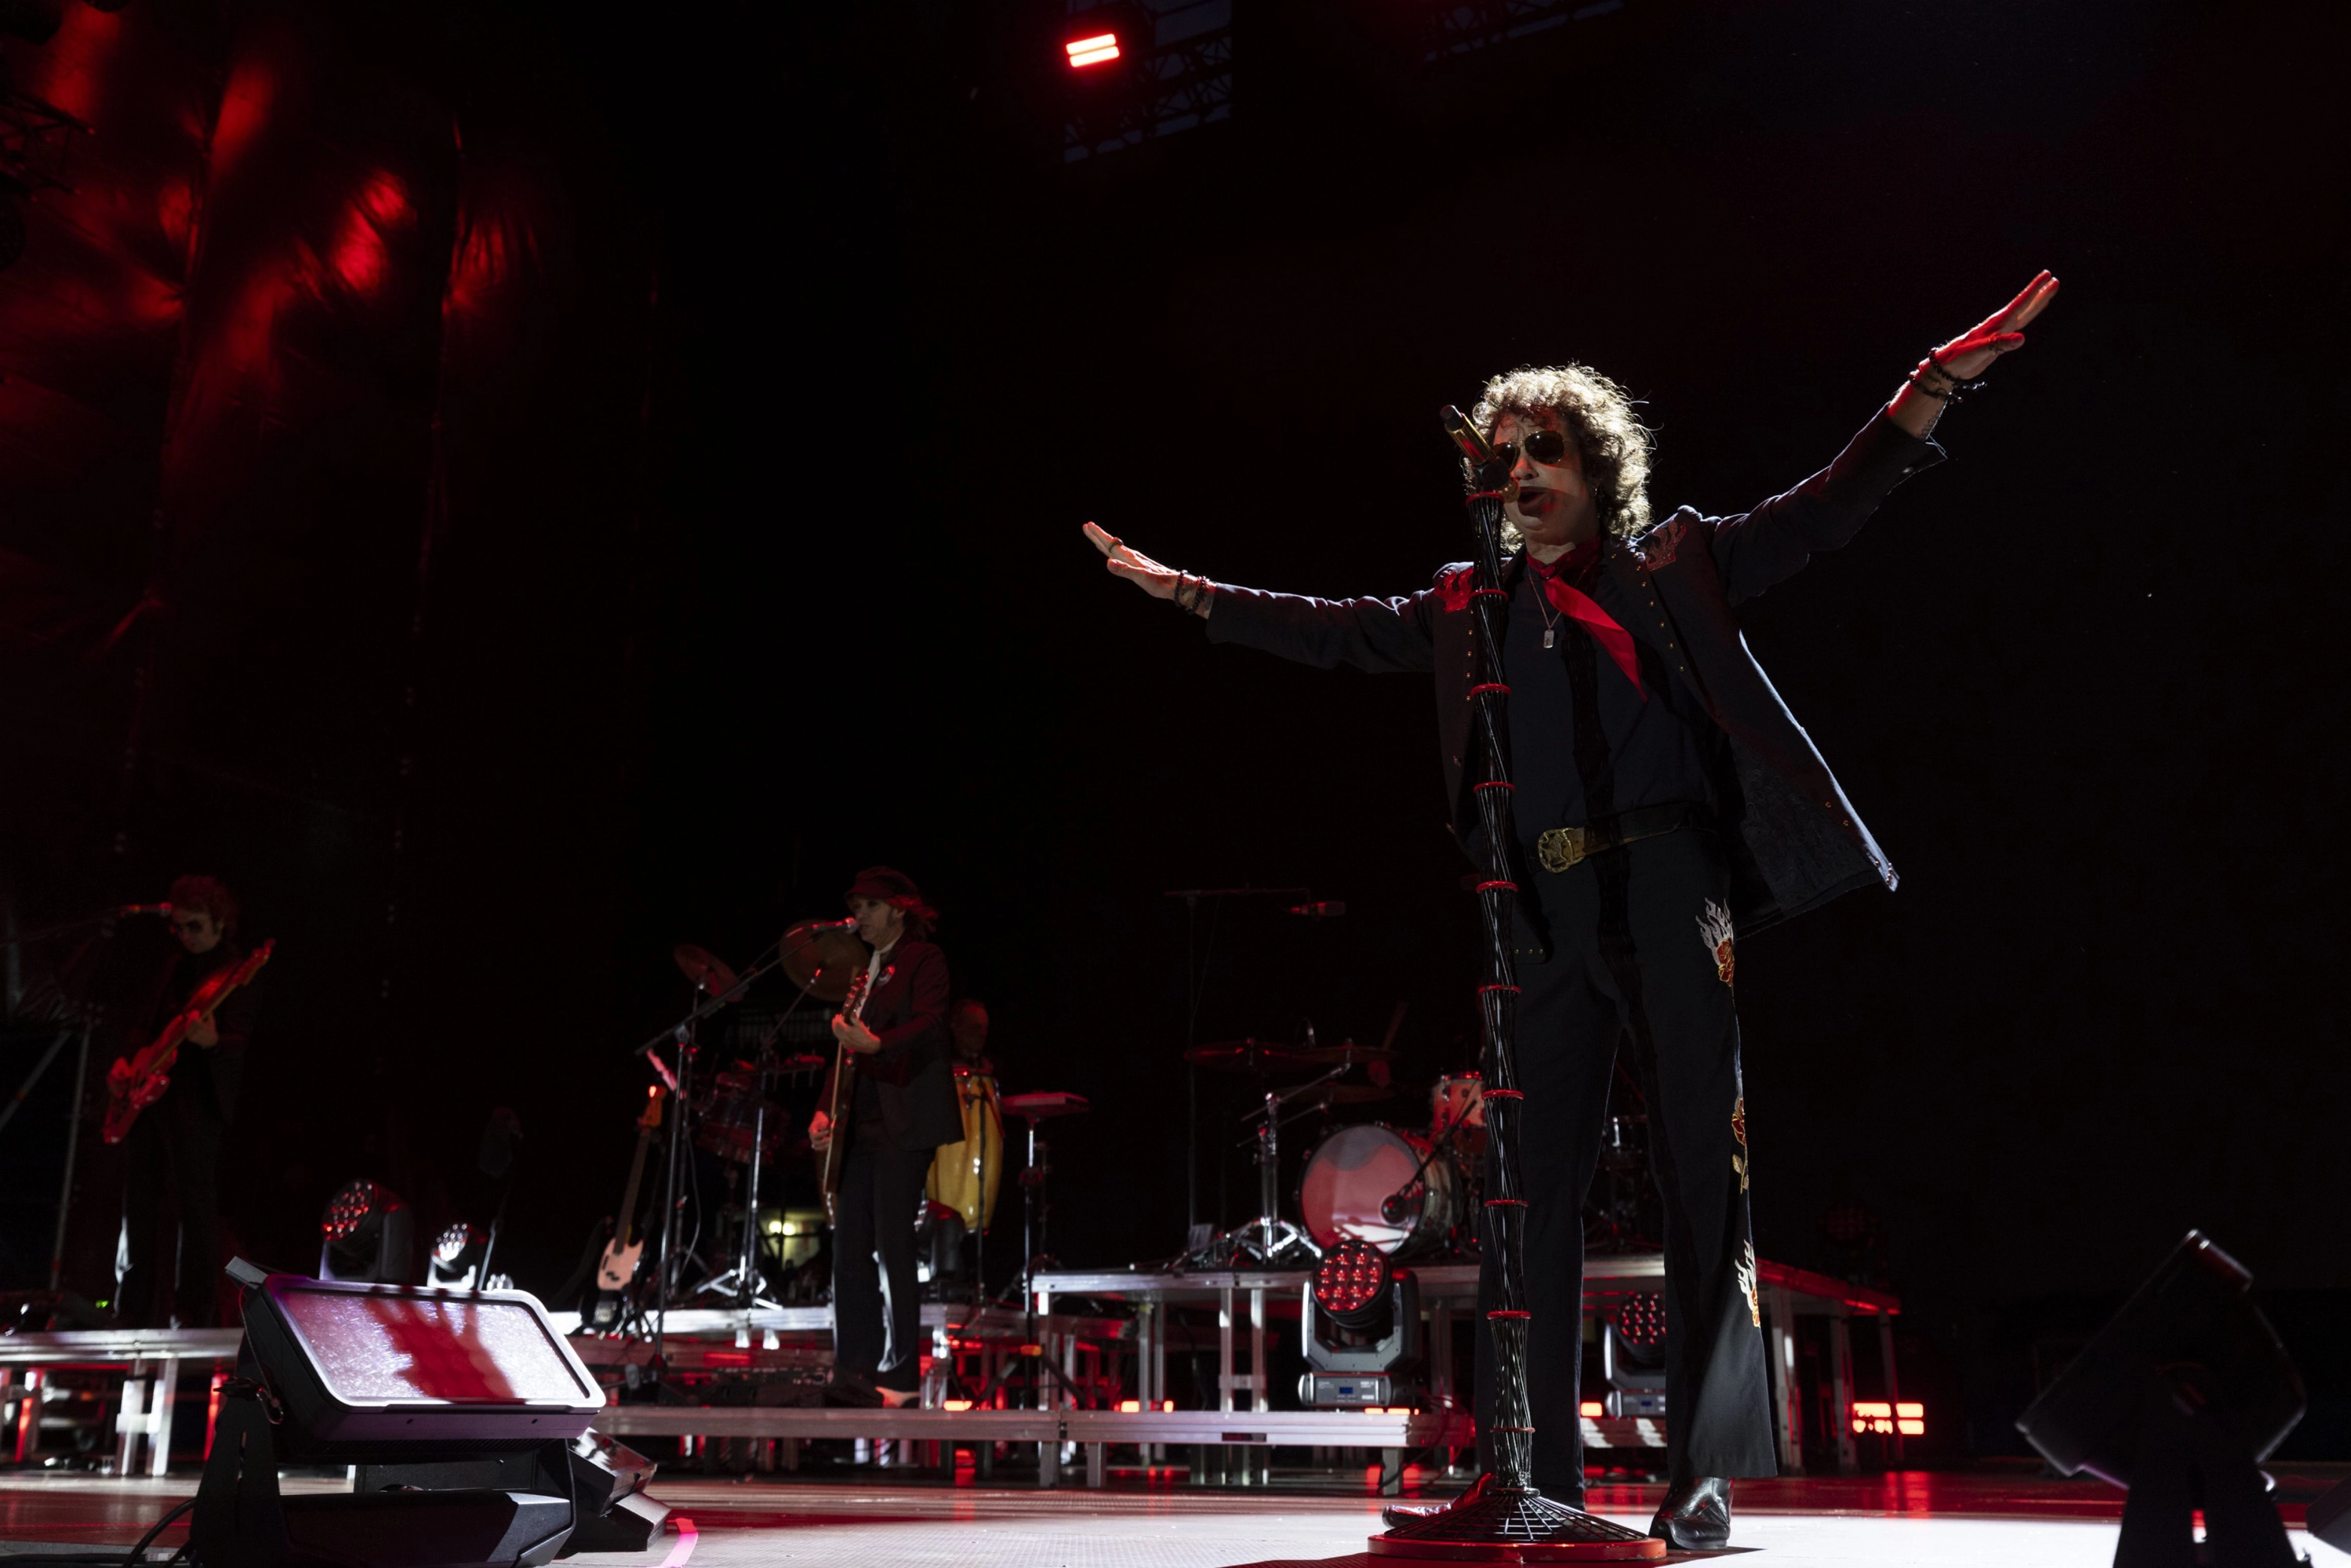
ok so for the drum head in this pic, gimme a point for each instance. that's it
(1348, 1176)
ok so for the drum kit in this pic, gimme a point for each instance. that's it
(1407, 1193)
(1414, 1193)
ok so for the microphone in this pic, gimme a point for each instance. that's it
(846, 923)
(1393, 1207)
(143, 909)
(1473, 444)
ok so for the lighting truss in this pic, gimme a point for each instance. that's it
(1180, 79)
(1459, 26)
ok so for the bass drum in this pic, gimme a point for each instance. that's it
(1355, 1169)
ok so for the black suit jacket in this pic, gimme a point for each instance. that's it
(1794, 841)
(912, 1073)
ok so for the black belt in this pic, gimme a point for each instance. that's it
(1562, 849)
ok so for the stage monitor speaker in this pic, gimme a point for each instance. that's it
(2179, 1398)
(2329, 1519)
(458, 1411)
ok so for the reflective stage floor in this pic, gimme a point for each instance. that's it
(1929, 1519)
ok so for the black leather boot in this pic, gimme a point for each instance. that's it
(1696, 1515)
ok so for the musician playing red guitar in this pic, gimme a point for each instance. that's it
(901, 1109)
(174, 1148)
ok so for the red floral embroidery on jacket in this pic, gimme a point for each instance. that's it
(1660, 547)
(1453, 588)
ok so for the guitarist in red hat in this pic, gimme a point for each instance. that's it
(902, 1107)
(173, 1149)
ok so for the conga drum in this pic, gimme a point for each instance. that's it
(964, 1175)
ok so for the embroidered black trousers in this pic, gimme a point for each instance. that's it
(877, 1307)
(1640, 954)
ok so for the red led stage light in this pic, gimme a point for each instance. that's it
(1350, 1283)
(1098, 49)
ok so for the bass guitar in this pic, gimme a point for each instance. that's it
(617, 1267)
(134, 1085)
(844, 1098)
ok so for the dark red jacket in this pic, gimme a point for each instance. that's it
(913, 1072)
(1793, 840)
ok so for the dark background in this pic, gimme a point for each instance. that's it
(591, 488)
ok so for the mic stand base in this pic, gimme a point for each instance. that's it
(1494, 1523)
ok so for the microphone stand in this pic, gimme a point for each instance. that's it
(683, 1034)
(1503, 1517)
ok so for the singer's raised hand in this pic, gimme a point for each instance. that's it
(1970, 354)
(1158, 581)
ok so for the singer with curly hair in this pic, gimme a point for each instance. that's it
(1667, 806)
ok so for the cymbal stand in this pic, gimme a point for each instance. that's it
(1196, 987)
(740, 1278)
(685, 1035)
(1034, 1210)
(1268, 1238)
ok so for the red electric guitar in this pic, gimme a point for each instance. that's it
(134, 1085)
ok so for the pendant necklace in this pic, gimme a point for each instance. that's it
(1543, 603)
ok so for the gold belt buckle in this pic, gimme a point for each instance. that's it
(1560, 849)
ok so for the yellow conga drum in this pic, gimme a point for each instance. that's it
(964, 1175)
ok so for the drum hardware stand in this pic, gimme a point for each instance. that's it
(684, 1035)
(1033, 1212)
(1503, 1517)
(1268, 1238)
(1196, 987)
(740, 1278)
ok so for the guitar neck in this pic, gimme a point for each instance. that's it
(625, 1225)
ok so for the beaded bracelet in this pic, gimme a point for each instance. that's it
(1955, 392)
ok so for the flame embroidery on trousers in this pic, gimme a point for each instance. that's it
(1715, 932)
(1738, 1131)
(1746, 1271)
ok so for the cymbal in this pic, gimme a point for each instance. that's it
(706, 969)
(1037, 1107)
(1349, 1053)
(824, 968)
(1256, 1056)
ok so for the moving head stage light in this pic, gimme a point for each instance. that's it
(2179, 1398)
(366, 1233)
(1361, 1322)
(466, 1415)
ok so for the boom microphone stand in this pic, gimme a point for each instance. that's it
(1503, 1518)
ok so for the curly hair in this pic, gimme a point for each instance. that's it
(1597, 414)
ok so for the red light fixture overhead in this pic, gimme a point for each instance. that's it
(1100, 49)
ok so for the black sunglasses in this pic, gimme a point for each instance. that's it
(1546, 447)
